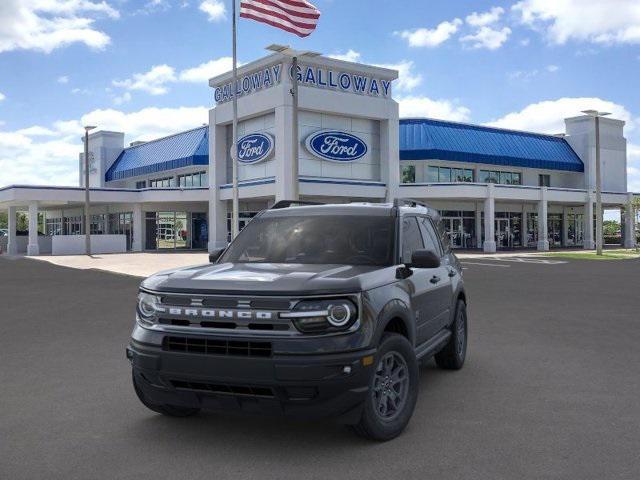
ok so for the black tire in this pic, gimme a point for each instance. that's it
(389, 423)
(452, 356)
(169, 410)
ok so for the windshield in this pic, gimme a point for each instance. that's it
(341, 239)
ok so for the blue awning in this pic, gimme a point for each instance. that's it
(427, 139)
(183, 149)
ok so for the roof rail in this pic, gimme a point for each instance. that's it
(290, 203)
(408, 202)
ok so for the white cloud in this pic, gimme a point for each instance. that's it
(2, 96)
(525, 42)
(595, 21)
(420, 106)
(214, 9)
(487, 37)
(154, 81)
(552, 68)
(349, 56)
(45, 25)
(486, 18)
(526, 75)
(48, 155)
(203, 72)
(120, 99)
(63, 79)
(407, 78)
(548, 116)
(424, 37)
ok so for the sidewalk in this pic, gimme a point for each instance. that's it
(135, 264)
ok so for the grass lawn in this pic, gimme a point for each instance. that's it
(618, 254)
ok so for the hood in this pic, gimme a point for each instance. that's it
(271, 279)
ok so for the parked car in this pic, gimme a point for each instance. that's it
(313, 310)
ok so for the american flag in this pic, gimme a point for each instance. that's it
(294, 16)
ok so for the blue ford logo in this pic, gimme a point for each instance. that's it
(255, 147)
(336, 146)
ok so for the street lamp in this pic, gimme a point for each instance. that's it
(596, 114)
(294, 55)
(87, 217)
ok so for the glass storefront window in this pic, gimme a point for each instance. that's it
(554, 229)
(408, 174)
(176, 230)
(504, 178)
(432, 174)
(460, 227)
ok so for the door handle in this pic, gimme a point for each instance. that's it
(452, 273)
(434, 279)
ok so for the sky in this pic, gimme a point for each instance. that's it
(141, 66)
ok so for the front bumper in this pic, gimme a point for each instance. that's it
(305, 386)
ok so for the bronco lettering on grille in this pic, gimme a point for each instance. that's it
(218, 314)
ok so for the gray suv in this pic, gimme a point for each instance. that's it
(312, 311)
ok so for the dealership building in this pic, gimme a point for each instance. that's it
(496, 189)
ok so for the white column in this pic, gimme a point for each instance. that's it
(138, 222)
(489, 245)
(390, 154)
(218, 209)
(565, 227)
(283, 155)
(543, 240)
(589, 242)
(12, 246)
(478, 225)
(629, 224)
(32, 246)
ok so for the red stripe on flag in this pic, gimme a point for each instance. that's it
(273, 13)
(296, 16)
(274, 24)
(275, 5)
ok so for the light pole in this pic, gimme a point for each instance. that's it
(596, 114)
(87, 217)
(295, 146)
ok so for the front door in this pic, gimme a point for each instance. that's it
(422, 287)
(504, 237)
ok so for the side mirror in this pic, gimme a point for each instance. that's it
(215, 255)
(424, 259)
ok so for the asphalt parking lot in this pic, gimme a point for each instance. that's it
(551, 389)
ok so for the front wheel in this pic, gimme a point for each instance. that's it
(169, 410)
(393, 390)
(452, 356)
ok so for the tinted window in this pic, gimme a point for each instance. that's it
(430, 236)
(411, 238)
(342, 239)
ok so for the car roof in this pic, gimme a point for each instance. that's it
(354, 208)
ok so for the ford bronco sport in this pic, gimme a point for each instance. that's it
(312, 311)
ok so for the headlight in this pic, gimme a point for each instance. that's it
(147, 308)
(317, 316)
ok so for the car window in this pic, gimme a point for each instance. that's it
(430, 236)
(315, 239)
(411, 238)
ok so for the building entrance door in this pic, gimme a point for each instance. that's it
(456, 233)
(504, 237)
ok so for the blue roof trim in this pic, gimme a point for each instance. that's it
(181, 150)
(427, 139)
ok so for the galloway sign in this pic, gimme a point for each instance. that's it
(331, 79)
(248, 84)
(336, 146)
(255, 148)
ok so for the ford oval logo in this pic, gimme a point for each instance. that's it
(255, 147)
(336, 146)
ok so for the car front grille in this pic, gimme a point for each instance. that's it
(196, 312)
(208, 346)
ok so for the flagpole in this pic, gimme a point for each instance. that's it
(234, 148)
(294, 131)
